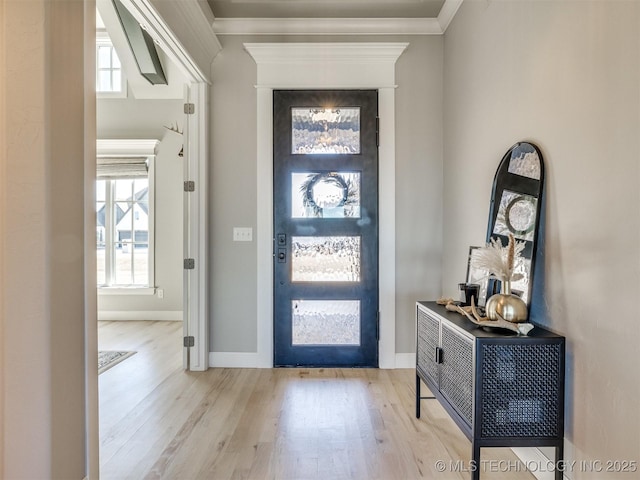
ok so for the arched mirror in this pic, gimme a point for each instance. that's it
(516, 200)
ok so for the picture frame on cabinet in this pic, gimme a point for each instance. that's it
(477, 275)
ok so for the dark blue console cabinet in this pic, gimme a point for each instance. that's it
(501, 389)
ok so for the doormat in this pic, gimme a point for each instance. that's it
(109, 358)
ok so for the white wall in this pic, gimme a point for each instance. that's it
(132, 118)
(566, 76)
(42, 316)
(233, 182)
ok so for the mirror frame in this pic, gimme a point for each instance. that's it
(519, 188)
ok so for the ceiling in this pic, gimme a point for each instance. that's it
(326, 8)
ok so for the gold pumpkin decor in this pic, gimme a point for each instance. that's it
(502, 263)
(507, 306)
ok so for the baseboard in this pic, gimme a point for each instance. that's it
(537, 462)
(252, 360)
(159, 315)
(405, 360)
(234, 360)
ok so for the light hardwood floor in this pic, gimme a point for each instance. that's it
(160, 422)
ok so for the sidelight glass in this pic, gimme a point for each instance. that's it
(325, 322)
(316, 130)
(325, 195)
(325, 259)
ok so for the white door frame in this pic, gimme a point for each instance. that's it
(313, 66)
(189, 21)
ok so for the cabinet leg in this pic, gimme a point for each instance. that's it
(559, 462)
(475, 461)
(417, 396)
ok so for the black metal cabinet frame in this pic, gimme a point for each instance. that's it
(502, 390)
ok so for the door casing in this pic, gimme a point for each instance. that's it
(317, 66)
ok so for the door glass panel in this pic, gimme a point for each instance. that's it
(325, 322)
(325, 130)
(325, 195)
(325, 259)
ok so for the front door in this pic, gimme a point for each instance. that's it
(325, 228)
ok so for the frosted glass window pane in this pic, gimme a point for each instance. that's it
(325, 322)
(325, 195)
(325, 130)
(325, 259)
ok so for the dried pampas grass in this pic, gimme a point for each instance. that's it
(501, 262)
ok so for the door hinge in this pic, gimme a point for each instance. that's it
(189, 108)
(377, 131)
(378, 325)
(189, 263)
(189, 186)
(189, 341)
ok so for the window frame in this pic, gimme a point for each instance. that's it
(103, 40)
(128, 149)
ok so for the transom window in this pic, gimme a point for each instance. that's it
(109, 76)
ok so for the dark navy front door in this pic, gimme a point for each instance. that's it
(325, 228)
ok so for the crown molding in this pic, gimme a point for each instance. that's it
(297, 53)
(447, 12)
(327, 26)
(339, 26)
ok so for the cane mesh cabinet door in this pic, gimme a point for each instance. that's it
(501, 389)
(428, 333)
(456, 375)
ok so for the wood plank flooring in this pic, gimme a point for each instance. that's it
(160, 422)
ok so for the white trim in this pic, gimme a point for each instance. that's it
(233, 360)
(125, 147)
(314, 66)
(183, 32)
(291, 55)
(405, 360)
(447, 12)
(327, 26)
(155, 315)
(126, 291)
(534, 457)
(195, 296)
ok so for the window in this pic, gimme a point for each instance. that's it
(124, 218)
(110, 79)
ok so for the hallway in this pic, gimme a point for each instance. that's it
(158, 421)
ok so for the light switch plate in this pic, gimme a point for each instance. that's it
(242, 234)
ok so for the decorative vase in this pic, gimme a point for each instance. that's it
(506, 305)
